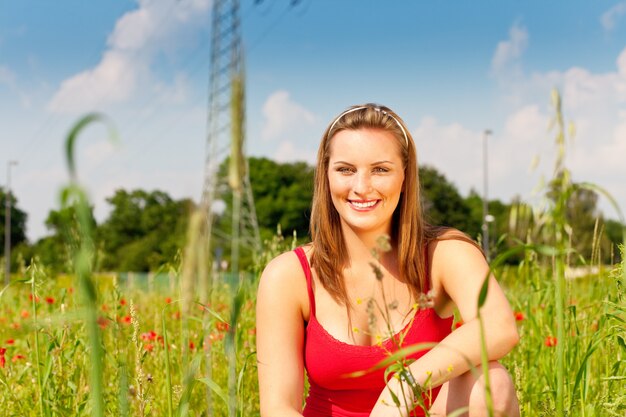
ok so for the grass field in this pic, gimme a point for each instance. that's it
(164, 357)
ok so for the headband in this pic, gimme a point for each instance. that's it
(378, 109)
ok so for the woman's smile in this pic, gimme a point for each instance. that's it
(363, 205)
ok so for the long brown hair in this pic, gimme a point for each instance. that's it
(409, 231)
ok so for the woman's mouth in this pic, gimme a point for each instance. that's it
(363, 204)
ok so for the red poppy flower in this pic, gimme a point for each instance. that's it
(519, 316)
(102, 322)
(222, 326)
(458, 324)
(550, 341)
(122, 302)
(17, 357)
(10, 341)
(192, 346)
(25, 314)
(31, 297)
(149, 347)
(126, 319)
(168, 300)
(151, 335)
(50, 300)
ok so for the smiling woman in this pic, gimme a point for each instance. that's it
(339, 306)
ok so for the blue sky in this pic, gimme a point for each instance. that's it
(450, 68)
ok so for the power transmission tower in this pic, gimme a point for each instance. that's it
(226, 139)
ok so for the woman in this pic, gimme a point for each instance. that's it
(342, 304)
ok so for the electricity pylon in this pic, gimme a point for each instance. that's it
(226, 140)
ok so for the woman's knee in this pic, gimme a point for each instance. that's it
(502, 388)
(467, 391)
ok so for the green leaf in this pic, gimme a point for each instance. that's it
(76, 129)
(215, 388)
(583, 365)
(396, 356)
(458, 412)
(621, 342)
(482, 297)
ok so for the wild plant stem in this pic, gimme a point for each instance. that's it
(37, 358)
(168, 372)
(484, 359)
(560, 332)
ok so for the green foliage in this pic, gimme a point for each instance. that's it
(282, 195)
(18, 222)
(144, 230)
(443, 205)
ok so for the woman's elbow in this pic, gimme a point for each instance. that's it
(508, 337)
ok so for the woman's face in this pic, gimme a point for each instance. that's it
(366, 177)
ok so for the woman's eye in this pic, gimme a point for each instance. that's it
(344, 170)
(380, 170)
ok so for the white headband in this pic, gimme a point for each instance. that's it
(406, 139)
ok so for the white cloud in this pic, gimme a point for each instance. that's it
(610, 17)
(507, 54)
(133, 46)
(594, 102)
(113, 80)
(457, 151)
(288, 151)
(453, 149)
(284, 117)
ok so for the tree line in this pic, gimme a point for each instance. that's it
(146, 230)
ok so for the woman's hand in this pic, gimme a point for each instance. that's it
(387, 407)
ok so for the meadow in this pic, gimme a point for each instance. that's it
(161, 356)
(181, 342)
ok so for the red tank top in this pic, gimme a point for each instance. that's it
(327, 362)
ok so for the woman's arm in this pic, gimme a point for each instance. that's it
(281, 297)
(459, 269)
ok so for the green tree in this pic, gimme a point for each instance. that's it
(18, 220)
(613, 230)
(19, 244)
(443, 205)
(282, 196)
(143, 231)
(498, 227)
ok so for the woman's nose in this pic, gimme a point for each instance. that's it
(362, 183)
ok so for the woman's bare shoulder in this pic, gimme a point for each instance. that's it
(283, 279)
(285, 265)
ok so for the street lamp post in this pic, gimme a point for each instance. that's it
(7, 225)
(486, 216)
